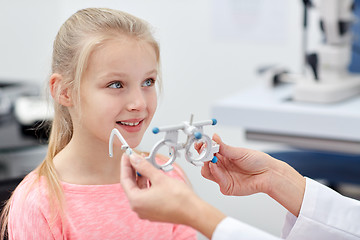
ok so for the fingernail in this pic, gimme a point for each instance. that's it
(129, 151)
(134, 158)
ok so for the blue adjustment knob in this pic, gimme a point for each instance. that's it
(214, 160)
(198, 135)
(155, 130)
(214, 121)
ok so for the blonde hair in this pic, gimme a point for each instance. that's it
(76, 39)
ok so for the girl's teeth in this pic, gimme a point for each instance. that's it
(129, 123)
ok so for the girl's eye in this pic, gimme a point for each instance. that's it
(115, 85)
(148, 82)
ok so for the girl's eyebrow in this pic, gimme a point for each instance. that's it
(113, 74)
(154, 71)
(121, 74)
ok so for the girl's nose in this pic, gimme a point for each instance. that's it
(136, 101)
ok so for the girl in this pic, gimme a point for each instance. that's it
(104, 70)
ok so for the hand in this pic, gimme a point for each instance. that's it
(239, 171)
(166, 199)
(156, 202)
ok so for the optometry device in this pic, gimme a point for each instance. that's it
(195, 134)
(125, 146)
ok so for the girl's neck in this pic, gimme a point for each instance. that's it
(88, 163)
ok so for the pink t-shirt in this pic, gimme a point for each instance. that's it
(93, 212)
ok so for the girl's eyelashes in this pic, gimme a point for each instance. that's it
(115, 85)
(148, 82)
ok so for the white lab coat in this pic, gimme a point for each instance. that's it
(324, 214)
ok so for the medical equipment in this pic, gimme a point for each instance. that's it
(331, 81)
(194, 132)
(327, 78)
(124, 146)
(269, 115)
(10, 92)
(289, 107)
(23, 145)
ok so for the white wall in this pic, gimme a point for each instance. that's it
(27, 32)
(209, 49)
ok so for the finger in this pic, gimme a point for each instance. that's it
(127, 175)
(206, 173)
(219, 177)
(199, 146)
(232, 153)
(216, 138)
(145, 168)
(142, 182)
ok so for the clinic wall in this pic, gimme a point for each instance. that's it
(199, 67)
(27, 32)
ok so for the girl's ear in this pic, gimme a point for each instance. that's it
(59, 91)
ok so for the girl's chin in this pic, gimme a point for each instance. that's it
(134, 144)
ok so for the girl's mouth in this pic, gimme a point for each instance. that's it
(131, 126)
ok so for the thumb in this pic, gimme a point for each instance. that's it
(229, 151)
(142, 166)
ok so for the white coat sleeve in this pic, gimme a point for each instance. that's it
(324, 214)
(232, 229)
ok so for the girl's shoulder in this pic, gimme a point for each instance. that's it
(29, 212)
(30, 192)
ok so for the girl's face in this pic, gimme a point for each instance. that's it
(118, 90)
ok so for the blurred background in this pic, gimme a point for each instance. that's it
(210, 50)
